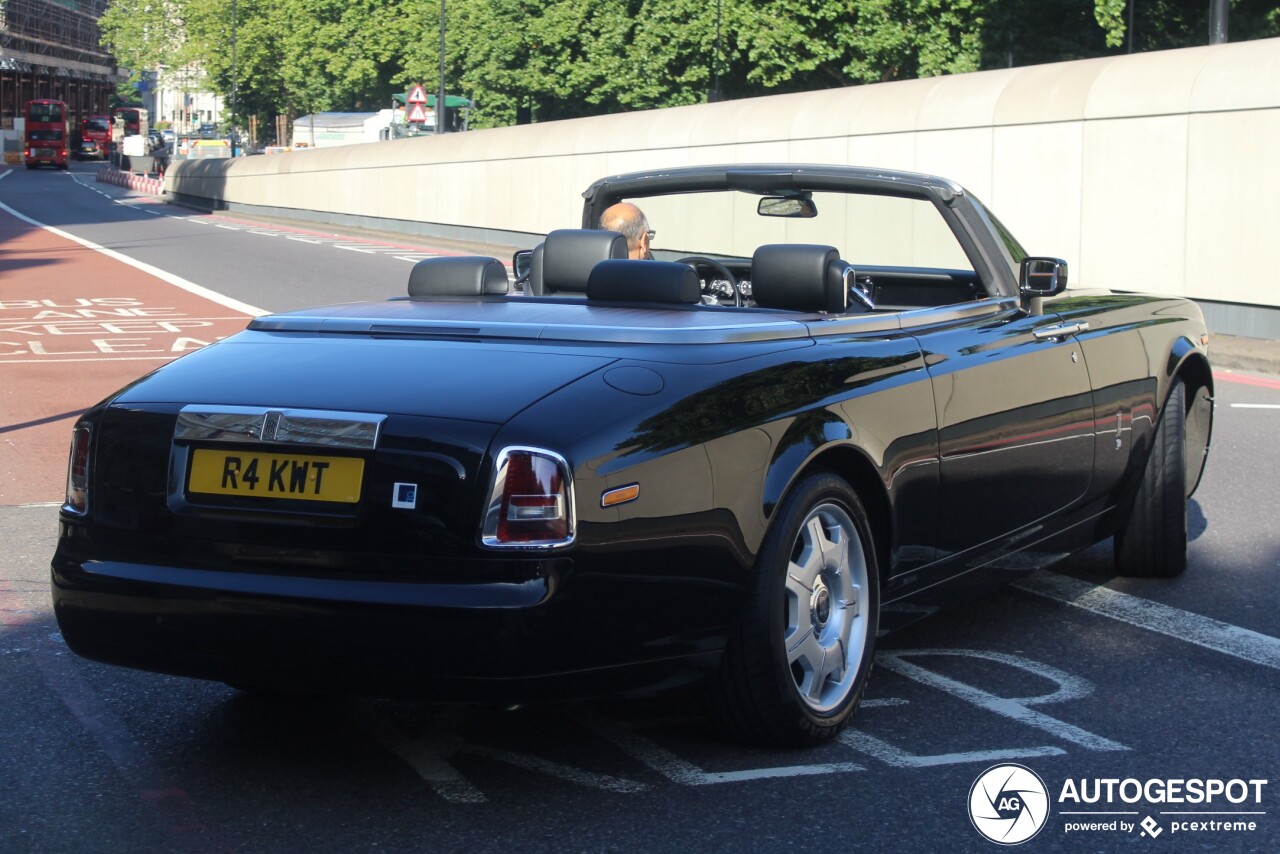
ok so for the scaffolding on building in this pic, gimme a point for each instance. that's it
(51, 49)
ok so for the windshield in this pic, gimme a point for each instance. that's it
(45, 112)
(867, 230)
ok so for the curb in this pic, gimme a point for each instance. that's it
(154, 186)
(1255, 355)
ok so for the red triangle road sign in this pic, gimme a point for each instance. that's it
(416, 113)
(417, 95)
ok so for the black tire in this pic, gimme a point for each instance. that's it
(778, 684)
(1152, 543)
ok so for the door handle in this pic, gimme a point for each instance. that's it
(1061, 331)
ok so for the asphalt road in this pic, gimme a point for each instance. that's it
(1074, 674)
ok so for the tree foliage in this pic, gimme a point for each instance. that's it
(537, 60)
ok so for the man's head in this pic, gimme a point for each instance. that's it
(629, 221)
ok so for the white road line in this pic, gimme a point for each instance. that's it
(447, 782)
(166, 358)
(1255, 406)
(1153, 616)
(568, 773)
(164, 276)
(898, 758)
(679, 770)
(131, 202)
(1070, 687)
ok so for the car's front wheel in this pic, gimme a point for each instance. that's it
(1152, 543)
(794, 673)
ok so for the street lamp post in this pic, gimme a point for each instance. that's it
(1218, 11)
(714, 94)
(235, 138)
(440, 96)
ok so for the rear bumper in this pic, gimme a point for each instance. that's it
(546, 638)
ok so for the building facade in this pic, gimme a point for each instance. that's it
(180, 99)
(50, 49)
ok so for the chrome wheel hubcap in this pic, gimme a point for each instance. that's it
(825, 632)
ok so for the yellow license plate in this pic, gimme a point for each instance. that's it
(262, 475)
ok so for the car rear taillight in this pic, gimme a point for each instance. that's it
(78, 473)
(530, 501)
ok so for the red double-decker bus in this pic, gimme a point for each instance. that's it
(95, 137)
(135, 120)
(47, 134)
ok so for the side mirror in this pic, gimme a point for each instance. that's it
(522, 266)
(1042, 277)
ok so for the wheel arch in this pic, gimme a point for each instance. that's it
(1188, 363)
(851, 463)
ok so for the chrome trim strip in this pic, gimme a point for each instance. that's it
(219, 423)
(525, 594)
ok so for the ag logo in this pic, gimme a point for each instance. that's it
(1008, 804)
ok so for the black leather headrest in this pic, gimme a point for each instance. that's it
(799, 277)
(459, 276)
(569, 254)
(626, 280)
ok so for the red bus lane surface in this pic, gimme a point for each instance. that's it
(76, 325)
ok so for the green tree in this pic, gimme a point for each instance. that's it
(539, 60)
(144, 34)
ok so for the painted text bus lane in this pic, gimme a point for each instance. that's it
(76, 324)
(38, 330)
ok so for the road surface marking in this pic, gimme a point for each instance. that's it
(1153, 616)
(1262, 382)
(899, 758)
(1070, 687)
(162, 275)
(684, 772)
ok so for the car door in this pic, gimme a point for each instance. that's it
(1016, 431)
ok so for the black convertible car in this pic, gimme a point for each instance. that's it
(735, 463)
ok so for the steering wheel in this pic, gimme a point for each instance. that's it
(696, 261)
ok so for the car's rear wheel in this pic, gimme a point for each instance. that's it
(1152, 543)
(794, 673)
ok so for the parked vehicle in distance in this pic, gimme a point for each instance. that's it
(734, 465)
(47, 135)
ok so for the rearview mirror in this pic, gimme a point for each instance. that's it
(794, 207)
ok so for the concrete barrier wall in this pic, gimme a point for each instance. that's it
(1154, 172)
